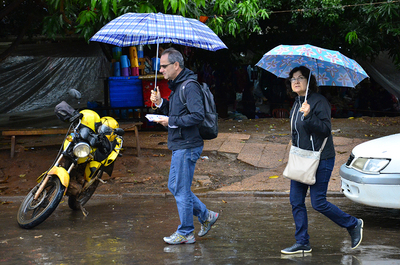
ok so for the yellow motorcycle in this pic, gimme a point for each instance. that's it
(90, 148)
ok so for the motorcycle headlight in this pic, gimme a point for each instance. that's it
(81, 150)
(369, 165)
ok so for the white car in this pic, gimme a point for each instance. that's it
(371, 176)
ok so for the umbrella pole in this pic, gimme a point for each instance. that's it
(155, 74)
(308, 83)
(155, 78)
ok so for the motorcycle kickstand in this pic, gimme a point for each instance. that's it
(84, 211)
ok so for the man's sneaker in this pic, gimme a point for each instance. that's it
(297, 248)
(206, 226)
(356, 234)
(176, 239)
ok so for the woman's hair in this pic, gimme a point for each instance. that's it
(313, 87)
(174, 56)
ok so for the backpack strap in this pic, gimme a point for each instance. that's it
(182, 92)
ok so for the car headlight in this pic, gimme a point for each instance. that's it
(370, 165)
(81, 150)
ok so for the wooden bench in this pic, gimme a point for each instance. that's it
(31, 132)
(134, 127)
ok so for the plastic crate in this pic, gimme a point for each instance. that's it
(125, 91)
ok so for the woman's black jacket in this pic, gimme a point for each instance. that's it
(316, 124)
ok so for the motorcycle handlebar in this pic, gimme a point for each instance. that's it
(119, 131)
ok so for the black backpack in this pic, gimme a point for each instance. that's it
(209, 127)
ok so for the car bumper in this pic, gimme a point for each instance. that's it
(381, 190)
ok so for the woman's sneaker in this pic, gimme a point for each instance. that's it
(297, 248)
(206, 226)
(176, 239)
(356, 234)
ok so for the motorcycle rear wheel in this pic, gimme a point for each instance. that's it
(33, 212)
(74, 202)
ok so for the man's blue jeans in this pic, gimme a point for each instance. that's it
(318, 191)
(181, 173)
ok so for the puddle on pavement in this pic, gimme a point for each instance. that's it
(250, 230)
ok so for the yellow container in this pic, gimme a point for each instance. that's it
(133, 56)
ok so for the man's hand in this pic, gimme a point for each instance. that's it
(155, 97)
(163, 121)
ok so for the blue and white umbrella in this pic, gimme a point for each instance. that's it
(331, 68)
(133, 29)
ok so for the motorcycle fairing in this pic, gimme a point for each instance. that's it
(111, 158)
(114, 153)
(109, 169)
(90, 169)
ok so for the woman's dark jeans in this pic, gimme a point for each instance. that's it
(318, 191)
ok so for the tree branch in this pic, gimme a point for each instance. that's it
(14, 4)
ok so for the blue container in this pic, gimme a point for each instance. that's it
(140, 51)
(125, 92)
(117, 69)
(116, 51)
(125, 63)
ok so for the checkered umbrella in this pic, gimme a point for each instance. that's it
(331, 68)
(133, 29)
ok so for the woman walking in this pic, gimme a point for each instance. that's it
(311, 124)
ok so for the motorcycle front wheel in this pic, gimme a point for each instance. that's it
(33, 212)
(74, 202)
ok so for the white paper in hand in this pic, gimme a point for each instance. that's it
(153, 117)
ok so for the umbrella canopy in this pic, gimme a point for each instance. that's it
(133, 29)
(331, 68)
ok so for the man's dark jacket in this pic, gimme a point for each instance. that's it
(316, 124)
(185, 118)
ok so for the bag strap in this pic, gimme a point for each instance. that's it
(182, 87)
(323, 144)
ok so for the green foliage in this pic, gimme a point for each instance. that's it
(351, 36)
(359, 28)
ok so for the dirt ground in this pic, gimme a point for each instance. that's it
(149, 172)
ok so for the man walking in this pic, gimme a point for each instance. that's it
(186, 144)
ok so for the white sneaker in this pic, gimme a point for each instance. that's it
(176, 238)
(206, 226)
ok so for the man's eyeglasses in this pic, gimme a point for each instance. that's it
(163, 66)
(300, 78)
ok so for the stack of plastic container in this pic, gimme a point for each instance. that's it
(134, 61)
(125, 66)
(116, 66)
(125, 87)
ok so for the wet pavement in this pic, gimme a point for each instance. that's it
(251, 230)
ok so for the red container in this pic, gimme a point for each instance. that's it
(148, 85)
(135, 71)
